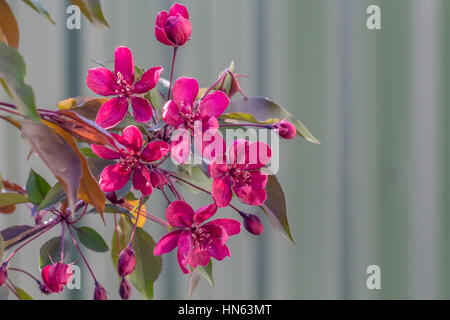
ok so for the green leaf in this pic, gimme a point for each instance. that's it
(110, 208)
(88, 152)
(13, 72)
(55, 194)
(148, 266)
(1, 182)
(264, 111)
(275, 208)
(50, 252)
(155, 99)
(92, 10)
(37, 188)
(194, 175)
(7, 199)
(206, 272)
(92, 240)
(39, 8)
(2, 248)
(22, 294)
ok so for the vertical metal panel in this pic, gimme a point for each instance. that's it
(425, 148)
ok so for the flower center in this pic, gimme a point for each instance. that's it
(125, 89)
(129, 163)
(241, 177)
(200, 238)
(189, 117)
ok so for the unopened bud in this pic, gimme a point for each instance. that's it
(158, 179)
(253, 224)
(43, 288)
(285, 129)
(125, 289)
(3, 273)
(126, 262)
(99, 292)
(112, 197)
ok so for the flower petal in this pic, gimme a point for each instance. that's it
(258, 179)
(148, 81)
(185, 90)
(180, 146)
(142, 109)
(112, 112)
(184, 247)
(217, 170)
(177, 9)
(161, 36)
(238, 151)
(113, 178)
(161, 18)
(259, 155)
(155, 151)
(250, 196)
(167, 243)
(221, 191)
(179, 214)
(132, 138)
(231, 226)
(171, 114)
(204, 213)
(142, 181)
(218, 251)
(198, 256)
(102, 81)
(124, 64)
(213, 105)
(104, 152)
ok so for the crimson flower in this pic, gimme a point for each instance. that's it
(197, 241)
(184, 112)
(241, 173)
(173, 28)
(55, 276)
(132, 161)
(122, 85)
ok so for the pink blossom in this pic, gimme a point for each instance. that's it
(173, 28)
(55, 276)
(121, 84)
(241, 174)
(197, 241)
(196, 117)
(132, 161)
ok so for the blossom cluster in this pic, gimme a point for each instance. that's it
(139, 145)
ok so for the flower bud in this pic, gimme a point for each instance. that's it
(43, 288)
(285, 129)
(253, 224)
(173, 28)
(56, 275)
(112, 197)
(158, 179)
(126, 262)
(125, 289)
(99, 292)
(3, 273)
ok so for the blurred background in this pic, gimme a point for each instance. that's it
(376, 192)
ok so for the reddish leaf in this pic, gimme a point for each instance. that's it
(89, 190)
(275, 208)
(9, 30)
(57, 154)
(80, 127)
